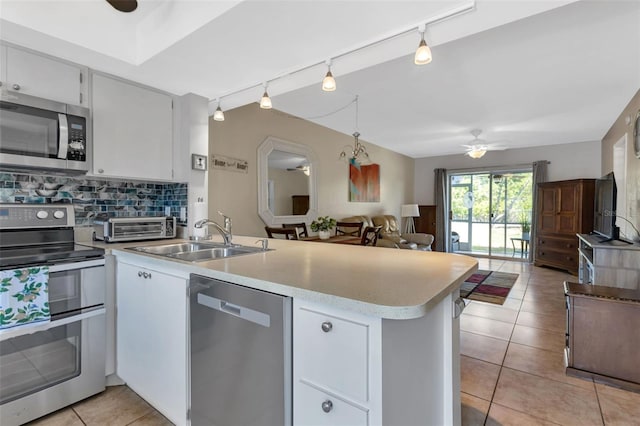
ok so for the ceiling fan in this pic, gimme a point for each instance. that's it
(124, 5)
(478, 147)
(301, 168)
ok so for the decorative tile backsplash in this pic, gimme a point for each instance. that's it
(116, 198)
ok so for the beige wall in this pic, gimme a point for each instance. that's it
(568, 161)
(243, 131)
(285, 184)
(624, 125)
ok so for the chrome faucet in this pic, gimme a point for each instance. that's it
(224, 231)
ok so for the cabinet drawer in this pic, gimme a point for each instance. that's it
(333, 352)
(567, 259)
(314, 407)
(558, 244)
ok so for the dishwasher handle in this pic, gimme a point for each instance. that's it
(238, 311)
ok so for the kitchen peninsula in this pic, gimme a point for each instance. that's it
(399, 305)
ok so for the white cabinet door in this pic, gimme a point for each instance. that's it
(336, 366)
(40, 76)
(132, 130)
(152, 338)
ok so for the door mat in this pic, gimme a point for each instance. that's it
(488, 286)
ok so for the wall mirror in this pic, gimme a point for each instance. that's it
(286, 182)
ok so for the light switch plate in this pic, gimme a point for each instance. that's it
(198, 162)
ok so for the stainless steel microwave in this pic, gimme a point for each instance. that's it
(43, 134)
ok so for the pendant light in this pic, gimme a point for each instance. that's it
(329, 83)
(265, 102)
(358, 152)
(423, 52)
(219, 114)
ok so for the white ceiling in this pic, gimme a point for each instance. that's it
(528, 73)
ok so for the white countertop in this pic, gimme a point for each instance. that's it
(384, 282)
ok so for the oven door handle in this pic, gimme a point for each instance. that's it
(25, 329)
(61, 267)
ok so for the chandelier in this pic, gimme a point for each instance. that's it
(358, 152)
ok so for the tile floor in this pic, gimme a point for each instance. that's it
(512, 365)
(512, 368)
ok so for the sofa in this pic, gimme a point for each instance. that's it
(390, 235)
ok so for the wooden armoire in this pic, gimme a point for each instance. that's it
(565, 208)
(426, 222)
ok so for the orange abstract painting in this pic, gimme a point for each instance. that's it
(364, 182)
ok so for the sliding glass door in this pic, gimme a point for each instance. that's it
(491, 212)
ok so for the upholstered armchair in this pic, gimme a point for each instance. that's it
(391, 232)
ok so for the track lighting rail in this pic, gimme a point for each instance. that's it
(456, 11)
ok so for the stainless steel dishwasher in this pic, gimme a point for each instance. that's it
(240, 355)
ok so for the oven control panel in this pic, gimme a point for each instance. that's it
(36, 216)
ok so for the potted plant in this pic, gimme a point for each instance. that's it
(322, 225)
(526, 229)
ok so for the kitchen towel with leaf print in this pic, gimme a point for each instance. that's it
(24, 296)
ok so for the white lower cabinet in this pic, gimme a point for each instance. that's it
(152, 339)
(337, 373)
(316, 407)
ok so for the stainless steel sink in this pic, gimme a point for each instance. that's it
(197, 252)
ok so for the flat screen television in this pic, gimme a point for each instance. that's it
(604, 218)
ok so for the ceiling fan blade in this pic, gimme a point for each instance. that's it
(124, 5)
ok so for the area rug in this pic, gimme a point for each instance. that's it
(488, 286)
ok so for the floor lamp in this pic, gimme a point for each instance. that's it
(410, 211)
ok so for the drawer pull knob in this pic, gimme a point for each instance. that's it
(327, 327)
(327, 406)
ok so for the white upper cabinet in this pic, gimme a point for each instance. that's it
(37, 75)
(132, 130)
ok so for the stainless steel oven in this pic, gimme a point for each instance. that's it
(46, 366)
(43, 134)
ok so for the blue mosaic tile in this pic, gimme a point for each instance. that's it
(91, 196)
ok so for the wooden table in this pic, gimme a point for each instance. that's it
(524, 246)
(336, 239)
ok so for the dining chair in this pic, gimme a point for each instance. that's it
(352, 228)
(370, 235)
(301, 228)
(285, 233)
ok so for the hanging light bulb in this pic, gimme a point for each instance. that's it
(265, 102)
(219, 114)
(329, 83)
(423, 52)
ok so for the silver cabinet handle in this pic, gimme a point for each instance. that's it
(16, 87)
(327, 327)
(327, 406)
(100, 170)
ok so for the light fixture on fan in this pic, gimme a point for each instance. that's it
(476, 149)
(358, 152)
(476, 152)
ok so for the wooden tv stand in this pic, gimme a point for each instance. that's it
(603, 334)
(611, 263)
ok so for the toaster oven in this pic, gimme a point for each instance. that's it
(119, 229)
